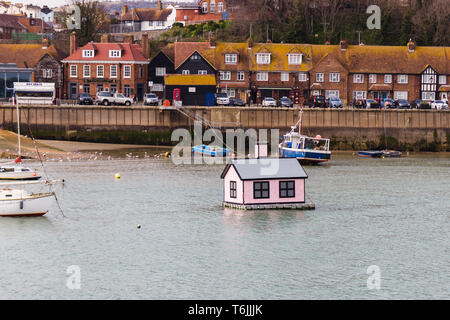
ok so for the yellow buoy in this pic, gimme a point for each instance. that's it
(138, 226)
(167, 154)
(117, 176)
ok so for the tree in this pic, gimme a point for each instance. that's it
(93, 18)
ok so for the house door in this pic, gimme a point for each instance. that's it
(384, 95)
(210, 99)
(140, 92)
(73, 90)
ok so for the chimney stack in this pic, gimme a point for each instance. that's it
(73, 42)
(411, 46)
(250, 43)
(124, 9)
(104, 38)
(212, 40)
(343, 45)
(160, 5)
(145, 46)
(44, 43)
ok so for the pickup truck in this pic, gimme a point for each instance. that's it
(107, 98)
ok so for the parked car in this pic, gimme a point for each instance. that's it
(402, 104)
(269, 102)
(387, 103)
(439, 105)
(359, 104)
(285, 102)
(85, 98)
(237, 102)
(222, 99)
(107, 98)
(151, 99)
(316, 102)
(334, 102)
(372, 104)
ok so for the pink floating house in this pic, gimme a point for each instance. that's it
(265, 183)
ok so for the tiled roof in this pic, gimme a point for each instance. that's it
(183, 50)
(169, 51)
(24, 55)
(130, 52)
(186, 80)
(146, 15)
(37, 27)
(11, 21)
(279, 57)
(223, 48)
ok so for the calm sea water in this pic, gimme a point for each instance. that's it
(392, 213)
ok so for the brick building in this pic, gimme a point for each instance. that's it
(202, 11)
(104, 66)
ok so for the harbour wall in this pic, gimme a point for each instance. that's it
(348, 128)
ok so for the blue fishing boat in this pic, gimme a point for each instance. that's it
(213, 151)
(304, 148)
(371, 154)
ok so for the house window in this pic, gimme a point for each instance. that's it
(388, 78)
(359, 95)
(160, 23)
(230, 92)
(127, 71)
(302, 77)
(262, 76)
(205, 7)
(233, 190)
(100, 72)
(141, 72)
(287, 189)
(429, 78)
(331, 93)
(334, 77)
(47, 73)
(160, 71)
(87, 89)
(225, 75)
(263, 58)
(220, 7)
(113, 88)
(88, 53)
(442, 79)
(401, 95)
(319, 77)
(86, 71)
(202, 72)
(285, 76)
(113, 71)
(295, 59)
(261, 190)
(372, 78)
(240, 76)
(231, 58)
(73, 71)
(212, 7)
(114, 53)
(186, 72)
(358, 78)
(195, 57)
(402, 78)
(126, 90)
(428, 96)
(99, 87)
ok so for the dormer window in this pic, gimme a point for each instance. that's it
(115, 53)
(195, 56)
(88, 53)
(205, 7)
(295, 58)
(231, 58)
(263, 58)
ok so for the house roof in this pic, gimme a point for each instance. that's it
(25, 55)
(266, 169)
(183, 50)
(146, 15)
(46, 10)
(190, 80)
(36, 27)
(130, 52)
(223, 48)
(10, 21)
(169, 51)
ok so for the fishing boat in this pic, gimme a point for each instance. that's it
(213, 151)
(392, 154)
(371, 154)
(306, 149)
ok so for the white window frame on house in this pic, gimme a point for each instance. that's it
(73, 71)
(100, 71)
(86, 71)
(316, 93)
(263, 58)
(284, 76)
(401, 95)
(88, 53)
(428, 95)
(113, 71)
(359, 95)
(335, 77)
(302, 77)
(202, 72)
(320, 77)
(262, 76)
(388, 78)
(240, 76)
(195, 56)
(358, 78)
(231, 92)
(127, 71)
(160, 71)
(295, 58)
(331, 93)
(46, 73)
(402, 78)
(205, 7)
(160, 23)
(212, 7)
(429, 78)
(186, 72)
(372, 78)
(115, 53)
(220, 7)
(443, 79)
(231, 58)
(225, 75)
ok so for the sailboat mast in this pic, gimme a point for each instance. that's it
(300, 122)
(18, 128)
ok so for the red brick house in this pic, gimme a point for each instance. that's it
(202, 11)
(104, 66)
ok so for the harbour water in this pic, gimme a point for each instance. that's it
(389, 213)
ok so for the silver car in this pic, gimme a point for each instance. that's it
(269, 102)
(151, 99)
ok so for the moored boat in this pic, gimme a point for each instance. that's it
(19, 202)
(370, 154)
(392, 154)
(213, 151)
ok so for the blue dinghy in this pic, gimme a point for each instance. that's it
(211, 150)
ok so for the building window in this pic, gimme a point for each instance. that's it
(233, 190)
(115, 53)
(302, 77)
(240, 76)
(261, 190)
(127, 71)
(113, 71)
(47, 73)
(287, 189)
(205, 7)
(285, 76)
(388, 78)
(220, 7)
(73, 71)
(359, 95)
(160, 23)
(331, 93)
(428, 96)
(87, 89)
(100, 72)
(113, 88)
(295, 59)
(186, 72)
(429, 78)
(88, 53)
(319, 77)
(263, 58)
(225, 75)
(334, 77)
(160, 71)
(402, 78)
(358, 78)
(442, 79)
(401, 95)
(372, 78)
(141, 72)
(231, 58)
(99, 87)
(262, 76)
(195, 57)
(202, 72)
(212, 7)
(126, 90)
(86, 71)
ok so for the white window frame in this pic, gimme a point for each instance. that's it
(202, 72)
(320, 77)
(231, 92)
(302, 77)
(87, 68)
(212, 8)
(240, 76)
(231, 58)
(284, 76)
(263, 58)
(47, 73)
(102, 73)
(225, 75)
(160, 71)
(372, 78)
(388, 78)
(359, 95)
(220, 7)
(401, 95)
(262, 76)
(205, 7)
(295, 58)
(358, 78)
(443, 79)
(429, 78)
(428, 96)
(88, 53)
(331, 93)
(127, 71)
(72, 69)
(334, 77)
(402, 78)
(115, 53)
(186, 72)
(113, 71)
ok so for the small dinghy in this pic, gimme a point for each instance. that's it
(213, 151)
(370, 154)
(392, 154)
